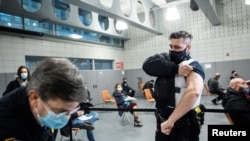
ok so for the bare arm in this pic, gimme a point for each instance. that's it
(190, 96)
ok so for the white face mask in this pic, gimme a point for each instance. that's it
(119, 89)
(24, 75)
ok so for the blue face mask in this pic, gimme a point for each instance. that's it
(53, 120)
(24, 75)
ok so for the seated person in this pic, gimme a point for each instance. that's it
(149, 85)
(235, 101)
(214, 88)
(130, 91)
(83, 119)
(122, 103)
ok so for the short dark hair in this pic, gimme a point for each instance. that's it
(181, 34)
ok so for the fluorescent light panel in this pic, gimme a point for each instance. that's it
(75, 36)
(247, 2)
(121, 25)
(172, 13)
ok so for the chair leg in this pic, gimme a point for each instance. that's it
(61, 137)
(116, 118)
(75, 133)
(123, 117)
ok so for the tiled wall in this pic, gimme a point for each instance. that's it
(210, 43)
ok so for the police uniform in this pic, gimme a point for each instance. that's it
(17, 121)
(187, 127)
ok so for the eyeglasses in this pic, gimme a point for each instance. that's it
(47, 107)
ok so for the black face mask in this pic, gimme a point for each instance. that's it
(178, 57)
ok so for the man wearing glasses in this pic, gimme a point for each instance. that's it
(54, 92)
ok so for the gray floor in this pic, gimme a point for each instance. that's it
(108, 130)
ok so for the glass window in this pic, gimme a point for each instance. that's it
(85, 16)
(34, 25)
(104, 22)
(30, 5)
(82, 64)
(10, 21)
(103, 64)
(61, 9)
(57, 30)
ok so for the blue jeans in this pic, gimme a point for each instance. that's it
(94, 115)
(79, 123)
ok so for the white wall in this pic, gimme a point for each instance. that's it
(14, 48)
(210, 43)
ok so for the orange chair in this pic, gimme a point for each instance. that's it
(106, 97)
(141, 86)
(149, 97)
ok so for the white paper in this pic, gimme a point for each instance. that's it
(129, 98)
(83, 117)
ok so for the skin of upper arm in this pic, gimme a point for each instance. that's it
(192, 92)
(195, 82)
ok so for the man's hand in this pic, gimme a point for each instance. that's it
(185, 70)
(166, 127)
(80, 112)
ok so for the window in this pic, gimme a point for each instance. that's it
(103, 64)
(57, 30)
(81, 63)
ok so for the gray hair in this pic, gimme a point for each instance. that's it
(58, 78)
(181, 34)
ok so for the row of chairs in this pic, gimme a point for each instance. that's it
(108, 99)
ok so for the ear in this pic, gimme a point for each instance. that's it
(189, 47)
(33, 98)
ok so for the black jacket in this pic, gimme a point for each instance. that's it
(11, 86)
(237, 106)
(17, 120)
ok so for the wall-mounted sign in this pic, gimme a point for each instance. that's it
(208, 66)
(119, 65)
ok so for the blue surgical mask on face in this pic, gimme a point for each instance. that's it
(24, 75)
(53, 120)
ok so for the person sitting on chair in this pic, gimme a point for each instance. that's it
(149, 85)
(130, 91)
(214, 88)
(122, 103)
(235, 101)
(82, 119)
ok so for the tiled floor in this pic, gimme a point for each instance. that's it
(106, 130)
